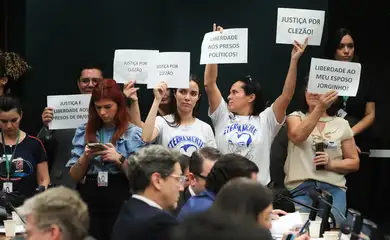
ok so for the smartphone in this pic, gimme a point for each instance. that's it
(304, 228)
(96, 147)
(320, 147)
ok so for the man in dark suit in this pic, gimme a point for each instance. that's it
(155, 180)
(200, 165)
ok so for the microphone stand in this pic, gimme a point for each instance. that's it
(297, 202)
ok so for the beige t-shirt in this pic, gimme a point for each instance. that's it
(299, 165)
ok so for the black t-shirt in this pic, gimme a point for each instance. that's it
(356, 106)
(23, 171)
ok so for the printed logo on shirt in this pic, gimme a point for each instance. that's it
(240, 139)
(186, 144)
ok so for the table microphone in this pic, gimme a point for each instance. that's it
(316, 195)
(297, 202)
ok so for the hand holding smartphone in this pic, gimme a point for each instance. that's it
(96, 147)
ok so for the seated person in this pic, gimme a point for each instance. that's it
(23, 165)
(201, 162)
(308, 167)
(227, 167)
(244, 198)
(212, 225)
(155, 180)
(58, 213)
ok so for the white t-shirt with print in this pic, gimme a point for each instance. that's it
(185, 139)
(249, 136)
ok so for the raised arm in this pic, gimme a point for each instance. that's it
(131, 93)
(149, 131)
(299, 130)
(210, 81)
(281, 103)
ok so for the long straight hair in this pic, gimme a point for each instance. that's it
(334, 42)
(107, 89)
(176, 117)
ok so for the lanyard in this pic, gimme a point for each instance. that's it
(345, 99)
(7, 161)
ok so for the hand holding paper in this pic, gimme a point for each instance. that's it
(298, 49)
(219, 28)
(130, 91)
(47, 116)
(159, 90)
(327, 99)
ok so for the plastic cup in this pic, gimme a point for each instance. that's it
(331, 235)
(16, 218)
(314, 229)
(10, 228)
(304, 217)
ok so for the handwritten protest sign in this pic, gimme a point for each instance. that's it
(70, 111)
(133, 65)
(230, 46)
(172, 68)
(328, 75)
(297, 24)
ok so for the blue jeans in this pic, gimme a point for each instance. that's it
(302, 194)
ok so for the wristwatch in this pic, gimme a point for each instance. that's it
(122, 159)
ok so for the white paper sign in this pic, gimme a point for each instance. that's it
(230, 46)
(133, 65)
(70, 111)
(172, 68)
(325, 75)
(297, 24)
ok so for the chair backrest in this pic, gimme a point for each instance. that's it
(278, 157)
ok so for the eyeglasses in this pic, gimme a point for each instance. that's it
(180, 179)
(248, 78)
(200, 176)
(88, 80)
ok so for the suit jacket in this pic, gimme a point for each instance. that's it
(184, 196)
(137, 220)
(196, 204)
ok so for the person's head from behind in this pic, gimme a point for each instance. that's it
(246, 97)
(155, 173)
(107, 108)
(187, 100)
(311, 100)
(201, 163)
(184, 161)
(227, 167)
(58, 213)
(247, 198)
(89, 77)
(218, 225)
(341, 46)
(11, 114)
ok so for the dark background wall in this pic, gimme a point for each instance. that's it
(63, 35)
(59, 37)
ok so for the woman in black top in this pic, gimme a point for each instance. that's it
(359, 111)
(23, 162)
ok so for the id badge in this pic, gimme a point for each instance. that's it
(102, 180)
(341, 113)
(7, 187)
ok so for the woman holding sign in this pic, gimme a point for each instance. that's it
(242, 125)
(100, 148)
(359, 111)
(321, 151)
(180, 130)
